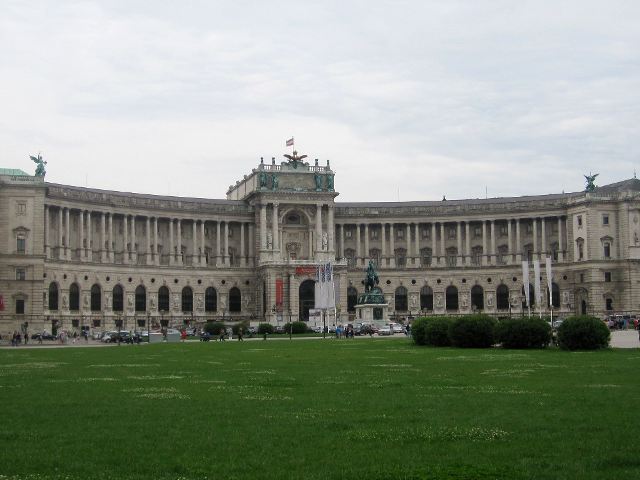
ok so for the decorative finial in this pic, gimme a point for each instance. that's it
(273, 160)
(261, 160)
(316, 162)
(328, 166)
(444, 199)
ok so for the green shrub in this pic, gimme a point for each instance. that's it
(236, 327)
(523, 333)
(437, 332)
(472, 331)
(583, 333)
(265, 328)
(213, 328)
(418, 330)
(295, 327)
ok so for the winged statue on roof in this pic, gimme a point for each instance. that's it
(591, 186)
(295, 159)
(40, 171)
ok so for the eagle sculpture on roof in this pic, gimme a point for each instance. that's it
(295, 158)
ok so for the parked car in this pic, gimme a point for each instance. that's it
(385, 330)
(316, 329)
(44, 335)
(397, 328)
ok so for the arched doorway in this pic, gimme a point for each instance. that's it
(307, 298)
(352, 299)
(451, 298)
(401, 299)
(187, 299)
(477, 298)
(426, 298)
(583, 307)
(502, 297)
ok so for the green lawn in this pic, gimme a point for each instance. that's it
(315, 409)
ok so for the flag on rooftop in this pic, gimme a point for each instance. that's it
(290, 142)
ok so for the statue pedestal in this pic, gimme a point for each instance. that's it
(373, 313)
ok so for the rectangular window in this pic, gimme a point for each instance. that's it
(579, 220)
(21, 274)
(605, 219)
(477, 232)
(582, 278)
(21, 244)
(452, 232)
(529, 228)
(607, 250)
(426, 233)
(19, 306)
(399, 234)
(607, 276)
(503, 231)
(21, 208)
(347, 233)
(374, 234)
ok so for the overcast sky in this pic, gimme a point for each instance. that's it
(410, 100)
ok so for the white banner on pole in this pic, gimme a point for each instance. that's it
(330, 289)
(318, 289)
(536, 283)
(549, 279)
(525, 281)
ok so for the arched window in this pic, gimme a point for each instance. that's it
(141, 299)
(452, 298)
(502, 297)
(74, 297)
(477, 298)
(350, 255)
(96, 298)
(401, 256)
(187, 299)
(426, 298)
(163, 299)
(555, 295)
(401, 299)
(235, 300)
(53, 296)
(352, 299)
(452, 256)
(117, 303)
(425, 255)
(210, 300)
(532, 297)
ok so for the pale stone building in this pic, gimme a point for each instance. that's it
(75, 257)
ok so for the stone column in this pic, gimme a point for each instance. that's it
(89, 237)
(81, 228)
(226, 244)
(112, 257)
(392, 247)
(459, 238)
(155, 241)
(310, 243)
(366, 242)
(493, 242)
(46, 232)
(543, 238)
(560, 254)
(179, 241)
(60, 235)
(342, 240)
(358, 241)
(133, 240)
(484, 243)
(251, 245)
(219, 246)
(194, 244)
(67, 229)
(518, 248)
(263, 227)
(467, 241)
(408, 243)
(125, 241)
(147, 229)
(536, 250)
(330, 229)
(103, 238)
(274, 227)
(384, 255)
(203, 258)
(318, 227)
(434, 244)
(243, 261)
(172, 254)
(443, 254)
(418, 260)
(509, 243)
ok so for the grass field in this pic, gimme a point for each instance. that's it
(365, 409)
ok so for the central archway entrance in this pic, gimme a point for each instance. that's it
(307, 298)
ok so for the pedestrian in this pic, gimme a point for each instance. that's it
(183, 335)
(240, 334)
(222, 334)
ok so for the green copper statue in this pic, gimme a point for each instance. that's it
(40, 171)
(330, 183)
(371, 279)
(590, 179)
(318, 179)
(262, 179)
(295, 159)
(274, 181)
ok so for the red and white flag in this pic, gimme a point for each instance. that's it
(290, 142)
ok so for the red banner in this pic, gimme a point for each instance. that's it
(1, 302)
(279, 294)
(306, 270)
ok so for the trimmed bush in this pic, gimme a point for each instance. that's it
(213, 328)
(236, 328)
(437, 332)
(295, 327)
(523, 333)
(583, 333)
(472, 331)
(265, 328)
(418, 330)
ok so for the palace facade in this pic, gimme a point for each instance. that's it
(76, 257)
